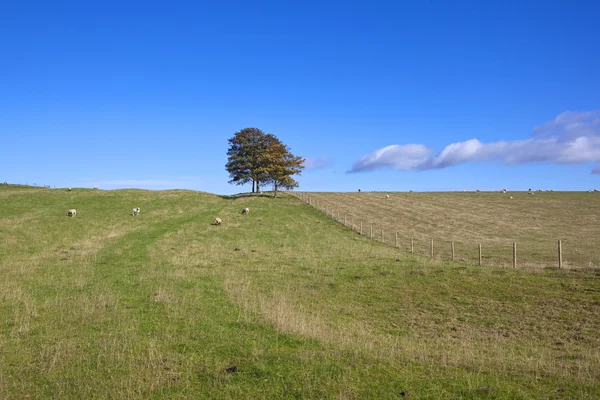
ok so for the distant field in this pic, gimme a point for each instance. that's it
(107, 305)
(535, 222)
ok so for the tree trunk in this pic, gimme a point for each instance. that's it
(275, 192)
(257, 186)
(252, 185)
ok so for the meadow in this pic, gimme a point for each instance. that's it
(535, 222)
(281, 303)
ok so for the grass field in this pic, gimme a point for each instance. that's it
(106, 305)
(535, 222)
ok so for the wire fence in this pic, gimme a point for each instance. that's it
(488, 251)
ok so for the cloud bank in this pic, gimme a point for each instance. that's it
(571, 138)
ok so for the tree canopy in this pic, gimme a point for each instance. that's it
(256, 157)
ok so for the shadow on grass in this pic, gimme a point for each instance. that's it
(244, 195)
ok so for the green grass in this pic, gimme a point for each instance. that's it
(106, 305)
(493, 219)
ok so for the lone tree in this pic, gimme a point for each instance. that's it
(277, 165)
(243, 156)
(256, 157)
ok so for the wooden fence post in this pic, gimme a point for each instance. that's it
(452, 244)
(560, 254)
(431, 248)
(480, 254)
(412, 245)
(514, 254)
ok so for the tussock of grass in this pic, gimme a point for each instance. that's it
(158, 306)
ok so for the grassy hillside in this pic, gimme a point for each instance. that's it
(494, 220)
(106, 305)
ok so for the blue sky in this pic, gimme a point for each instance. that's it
(377, 95)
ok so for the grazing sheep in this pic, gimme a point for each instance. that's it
(72, 212)
(531, 193)
(217, 221)
(504, 190)
(387, 196)
(136, 211)
(510, 197)
(69, 189)
(245, 210)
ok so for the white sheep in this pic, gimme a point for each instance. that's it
(245, 210)
(387, 196)
(217, 221)
(504, 190)
(510, 197)
(530, 192)
(72, 212)
(136, 211)
(69, 189)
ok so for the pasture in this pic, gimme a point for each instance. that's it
(165, 305)
(534, 221)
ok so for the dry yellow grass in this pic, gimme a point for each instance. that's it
(535, 222)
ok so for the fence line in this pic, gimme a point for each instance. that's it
(396, 241)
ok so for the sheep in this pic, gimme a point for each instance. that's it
(69, 189)
(504, 190)
(136, 211)
(510, 197)
(95, 187)
(217, 221)
(387, 196)
(531, 193)
(72, 212)
(245, 210)
(529, 190)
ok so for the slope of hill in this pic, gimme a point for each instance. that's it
(165, 305)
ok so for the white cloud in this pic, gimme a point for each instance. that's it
(403, 158)
(571, 138)
(317, 163)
